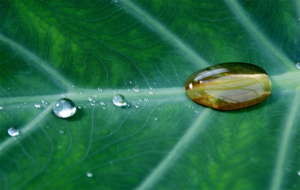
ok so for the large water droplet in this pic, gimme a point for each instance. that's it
(298, 65)
(13, 132)
(229, 86)
(64, 108)
(119, 100)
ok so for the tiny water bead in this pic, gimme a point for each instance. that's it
(13, 132)
(64, 108)
(229, 86)
(119, 100)
(298, 65)
(89, 174)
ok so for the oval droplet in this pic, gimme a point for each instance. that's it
(64, 108)
(13, 132)
(229, 86)
(119, 100)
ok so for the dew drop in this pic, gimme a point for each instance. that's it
(1, 108)
(298, 173)
(90, 99)
(92, 104)
(89, 174)
(37, 105)
(135, 89)
(102, 103)
(146, 100)
(104, 108)
(62, 95)
(298, 65)
(73, 86)
(130, 82)
(136, 106)
(13, 132)
(61, 132)
(150, 92)
(156, 119)
(64, 108)
(151, 88)
(140, 100)
(119, 100)
(100, 89)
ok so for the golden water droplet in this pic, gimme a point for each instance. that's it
(229, 86)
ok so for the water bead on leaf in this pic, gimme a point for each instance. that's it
(64, 108)
(119, 100)
(229, 86)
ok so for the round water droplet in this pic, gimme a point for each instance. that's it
(130, 82)
(135, 89)
(119, 100)
(150, 92)
(156, 119)
(136, 106)
(298, 173)
(100, 89)
(298, 65)
(90, 99)
(13, 132)
(37, 105)
(61, 132)
(102, 103)
(64, 108)
(89, 174)
(146, 100)
(151, 88)
(229, 86)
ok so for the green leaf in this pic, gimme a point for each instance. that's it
(51, 49)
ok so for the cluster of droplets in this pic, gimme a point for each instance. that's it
(41, 104)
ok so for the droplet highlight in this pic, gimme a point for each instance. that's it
(13, 132)
(298, 65)
(229, 86)
(119, 100)
(89, 174)
(64, 108)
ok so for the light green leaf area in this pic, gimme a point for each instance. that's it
(51, 49)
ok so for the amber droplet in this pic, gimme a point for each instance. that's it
(229, 86)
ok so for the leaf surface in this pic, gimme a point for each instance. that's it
(96, 49)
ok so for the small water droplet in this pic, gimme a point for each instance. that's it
(136, 106)
(196, 111)
(156, 119)
(100, 89)
(140, 100)
(150, 92)
(135, 89)
(298, 65)
(92, 104)
(298, 173)
(1, 108)
(89, 174)
(37, 105)
(151, 88)
(79, 107)
(90, 99)
(61, 132)
(146, 100)
(102, 103)
(62, 95)
(42, 101)
(160, 108)
(64, 108)
(119, 100)
(130, 82)
(73, 86)
(104, 108)
(13, 132)
(154, 83)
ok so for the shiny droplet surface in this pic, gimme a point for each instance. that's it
(229, 86)
(13, 132)
(119, 100)
(64, 108)
(298, 65)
